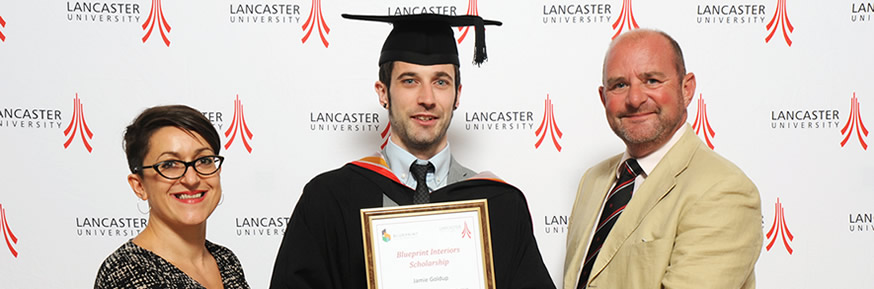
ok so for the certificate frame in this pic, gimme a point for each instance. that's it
(412, 213)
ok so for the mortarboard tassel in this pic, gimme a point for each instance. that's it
(479, 53)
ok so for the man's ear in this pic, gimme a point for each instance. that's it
(457, 98)
(688, 88)
(382, 92)
(601, 94)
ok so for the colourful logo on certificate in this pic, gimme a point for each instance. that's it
(385, 236)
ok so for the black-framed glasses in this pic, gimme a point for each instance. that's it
(174, 169)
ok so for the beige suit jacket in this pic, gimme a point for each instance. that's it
(695, 222)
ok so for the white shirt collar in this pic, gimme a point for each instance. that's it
(649, 162)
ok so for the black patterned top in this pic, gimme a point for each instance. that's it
(132, 266)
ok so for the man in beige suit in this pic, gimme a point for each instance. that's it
(692, 218)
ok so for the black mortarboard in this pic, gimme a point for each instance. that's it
(427, 39)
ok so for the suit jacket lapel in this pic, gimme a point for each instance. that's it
(590, 204)
(602, 185)
(657, 185)
(457, 172)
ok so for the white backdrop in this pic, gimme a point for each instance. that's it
(776, 110)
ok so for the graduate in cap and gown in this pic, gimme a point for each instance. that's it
(419, 84)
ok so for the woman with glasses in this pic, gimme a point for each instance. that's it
(172, 152)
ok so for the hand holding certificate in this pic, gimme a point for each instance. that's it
(440, 245)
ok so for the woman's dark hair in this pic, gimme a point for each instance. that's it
(138, 133)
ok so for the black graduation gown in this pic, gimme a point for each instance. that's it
(322, 247)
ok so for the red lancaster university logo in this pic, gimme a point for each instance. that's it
(386, 133)
(548, 123)
(779, 228)
(239, 123)
(7, 232)
(471, 10)
(156, 15)
(702, 123)
(316, 19)
(77, 123)
(782, 19)
(2, 24)
(854, 123)
(465, 232)
(625, 17)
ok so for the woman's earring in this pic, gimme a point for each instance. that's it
(148, 208)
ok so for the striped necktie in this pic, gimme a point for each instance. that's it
(616, 201)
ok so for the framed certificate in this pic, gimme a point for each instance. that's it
(439, 245)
